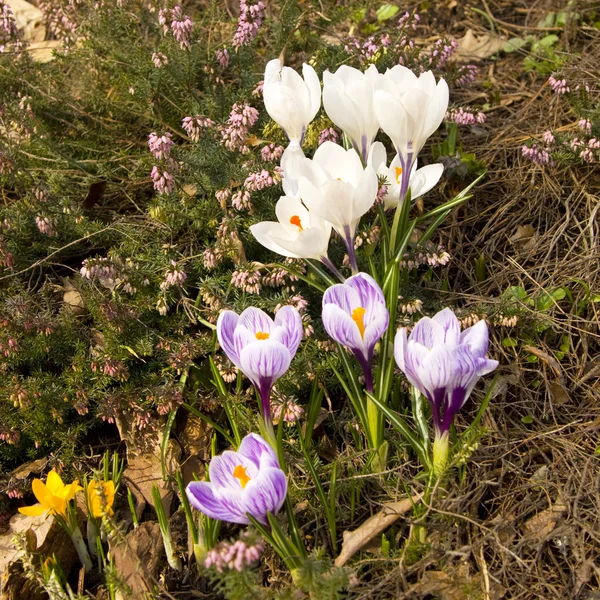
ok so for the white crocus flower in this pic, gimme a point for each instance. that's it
(420, 180)
(409, 109)
(297, 234)
(348, 100)
(291, 101)
(337, 189)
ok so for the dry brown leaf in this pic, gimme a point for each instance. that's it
(547, 358)
(29, 20)
(373, 526)
(523, 233)
(43, 52)
(472, 47)
(559, 394)
(542, 524)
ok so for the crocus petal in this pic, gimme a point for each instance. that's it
(255, 320)
(437, 369)
(42, 494)
(33, 511)
(342, 295)
(54, 483)
(288, 328)
(257, 450)
(268, 233)
(221, 469)
(378, 323)
(477, 338)
(428, 333)
(447, 319)
(425, 179)
(224, 506)
(264, 362)
(368, 291)
(343, 329)
(71, 490)
(314, 90)
(265, 494)
(226, 324)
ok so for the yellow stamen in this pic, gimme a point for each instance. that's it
(262, 335)
(295, 220)
(240, 473)
(357, 316)
(398, 174)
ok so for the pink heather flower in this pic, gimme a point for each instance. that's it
(181, 25)
(587, 155)
(173, 277)
(405, 21)
(247, 280)
(466, 75)
(594, 144)
(46, 226)
(291, 411)
(238, 556)
(575, 143)
(559, 86)
(465, 116)
(261, 180)
(271, 153)
(159, 59)
(258, 90)
(536, 155)
(241, 200)
(163, 180)
(223, 58)
(222, 196)
(548, 138)
(160, 146)
(252, 13)
(442, 51)
(6, 164)
(585, 126)
(102, 268)
(8, 26)
(329, 134)
(242, 117)
(193, 126)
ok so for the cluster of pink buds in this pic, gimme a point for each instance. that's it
(159, 59)
(585, 125)
(222, 196)
(9, 32)
(180, 25)
(252, 13)
(160, 146)
(559, 86)
(367, 50)
(504, 321)
(271, 153)
(290, 411)
(174, 277)
(258, 90)
(46, 226)
(10, 347)
(280, 278)
(241, 201)
(249, 279)
(432, 259)
(226, 368)
(59, 22)
(10, 437)
(329, 134)
(442, 51)
(466, 75)
(114, 368)
(470, 320)
(238, 556)
(548, 138)
(465, 116)
(262, 179)
(411, 307)
(163, 180)
(6, 164)
(101, 268)
(193, 126)
(536, 154)
(241, 119)
(16, 488)
(408, 21)
(223, 58)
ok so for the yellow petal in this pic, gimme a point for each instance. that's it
(55, 483)
(42, 493)
(70, 490)
(32, 511)
(59, 506)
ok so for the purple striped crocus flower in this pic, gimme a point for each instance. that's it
(444, 364)
(260, 347)
(247, 481)
(355, 316)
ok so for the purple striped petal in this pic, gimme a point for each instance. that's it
(437, 369)
(345, 297)
(265, 494)
(370, 294)
(221, 469)
(255, 320)
(447, 319)
(288, 328)
(226, 324)
(341, 327)
(414, 357)
(257, 450)
(217, 503)
(400, 347)
(265, 361)
(376, 326)
(476, 338)
(428, 333)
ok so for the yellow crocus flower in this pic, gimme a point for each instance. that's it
(53, 496)
(101, 497)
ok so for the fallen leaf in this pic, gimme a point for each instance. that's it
(558, 392)
(353, 541)
(547, 358)
(33, 467)
(523, 233)
(43, 52)
(472, 47)
(29, 20)
(542, 524)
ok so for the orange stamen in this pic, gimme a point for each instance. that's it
(240, 473)
(295, 220)
(398, 174)
(357, 316)
(262, 335)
